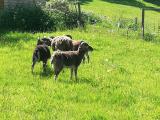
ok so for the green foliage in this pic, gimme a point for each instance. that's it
(65, 18)
(150, 37)
(55, 15)
(30, 19)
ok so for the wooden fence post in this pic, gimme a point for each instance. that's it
(79, 13)
(143, 14)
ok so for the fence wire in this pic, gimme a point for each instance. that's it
(132, 27)
(152, 22)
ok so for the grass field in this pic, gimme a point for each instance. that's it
(115, 10)
(118, 8)
(121, 82)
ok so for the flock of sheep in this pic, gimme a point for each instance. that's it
(67, 53)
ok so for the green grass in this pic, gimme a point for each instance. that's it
(120, 83)
(113, 10)
(117, 8)
(125, 12)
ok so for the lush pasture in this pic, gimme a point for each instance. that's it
(115, 10)
(118, 8)
(120, 83)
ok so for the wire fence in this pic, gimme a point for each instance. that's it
(145, 25)
(152, 22)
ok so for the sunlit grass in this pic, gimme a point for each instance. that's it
(121, 81)
(113, 8)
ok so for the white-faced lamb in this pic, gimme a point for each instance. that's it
(71, 59)
(41, 53)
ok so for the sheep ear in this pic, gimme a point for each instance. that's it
(39, 40)
(69, 36)
(51, 37)
(82, 42)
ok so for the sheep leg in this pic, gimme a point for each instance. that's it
(44, 66)
(87, 57)
(57, 71)
(33, 64)
(84, 59)
(56, 74)
(75, 73)
(71, 73)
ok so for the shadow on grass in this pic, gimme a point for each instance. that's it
(80, 81)
(85, 80)
(11, 38)
(85, 1)
(47, 74)
(134, 3)
(156, 2)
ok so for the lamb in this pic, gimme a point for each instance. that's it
(71, 59)
(41, 53)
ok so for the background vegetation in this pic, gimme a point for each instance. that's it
(56, 15)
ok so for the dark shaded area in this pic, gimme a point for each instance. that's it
(135, 3)
(11, 39)
(152, 8)
(26, 19)
(85, 1)
(156, 2)
(126, 2)
(48, 73)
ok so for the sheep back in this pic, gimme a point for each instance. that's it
(63, 43)
(42, 52)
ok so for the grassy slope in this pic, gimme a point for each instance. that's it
(116, 9)
(122, 9)
(121, 82)
(125, 8)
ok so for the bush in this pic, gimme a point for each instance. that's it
(149, 37)
(22, 18)
(55, 15)
(65, 17)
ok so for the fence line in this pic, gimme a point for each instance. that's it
(143, 19)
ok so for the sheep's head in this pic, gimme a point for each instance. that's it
(47, 41)
(44, 40)
(39, 42)
(85, 47)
